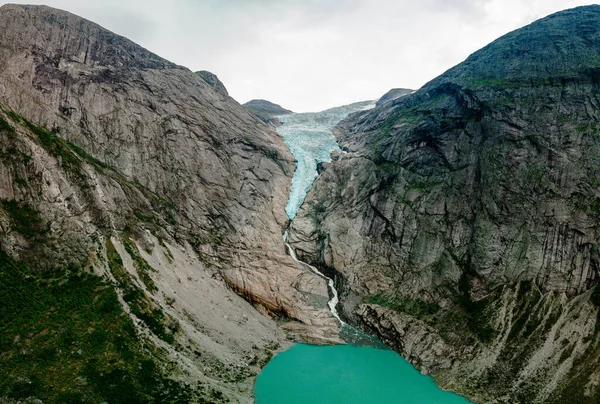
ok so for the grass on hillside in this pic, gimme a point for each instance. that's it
(65, 338)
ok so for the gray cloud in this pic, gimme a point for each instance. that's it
(314, 54)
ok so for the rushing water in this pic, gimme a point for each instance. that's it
(341, 374)
(310, 140)
(332, 304)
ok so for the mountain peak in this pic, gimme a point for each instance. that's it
(507, 144)
(60, 35)
(393, 94)
(267, 107)
(212, 80)
(563, 44)
(266, 110)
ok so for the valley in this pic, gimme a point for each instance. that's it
(162, 243)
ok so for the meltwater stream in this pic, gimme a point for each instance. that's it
(340, 374)
(311, 141)
(334, 294)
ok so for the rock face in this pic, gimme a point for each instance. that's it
(393, 94)
(462, 224)
(266, 111)
(118, 162)
(213, 81)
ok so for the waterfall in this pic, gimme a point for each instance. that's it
(310, 139)
(360, 374)
(334, 299)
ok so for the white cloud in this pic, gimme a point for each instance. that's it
(313, 54)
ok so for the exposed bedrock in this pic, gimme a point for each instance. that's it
(102, 140)
(463, 221)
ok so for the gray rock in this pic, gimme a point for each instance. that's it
(143, 147)
(471, 205)
(393, 94)
(213, 81)
(266, 111)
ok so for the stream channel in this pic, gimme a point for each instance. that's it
(359, 373)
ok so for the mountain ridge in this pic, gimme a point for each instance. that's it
(266, 110)
(470, 209)
(124, 173)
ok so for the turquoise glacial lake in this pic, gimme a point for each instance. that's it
(339, 374)
(346, 374)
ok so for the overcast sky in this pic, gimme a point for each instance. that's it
(308, 55)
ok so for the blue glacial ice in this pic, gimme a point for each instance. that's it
(309, 137)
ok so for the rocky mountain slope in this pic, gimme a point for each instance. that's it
(135, 198)
(462, 224)
(393, 94)
(266, 110)
(212, 80)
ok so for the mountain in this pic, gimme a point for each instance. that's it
(138, 204)
(393, 94)
(212, 80)
(462, 224)
(266, 110)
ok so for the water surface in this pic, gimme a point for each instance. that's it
(345, 374)
(341, 374)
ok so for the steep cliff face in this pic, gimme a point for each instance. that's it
(116, 162)
(213, 81)
(462, 224)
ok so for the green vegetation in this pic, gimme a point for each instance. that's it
(57, 147)
(142, 217)
(167, 253)
(497, 83)
(8, 151)
(140, 304)
(410, 115)
(475, 311)
(578, 379)
(532, 316)
(5, 127)
(25, 220)
(159, 204)
(14, 117)
(414, 307)
(595, 297)
(142, 267)
(215, 142)
(388, 167)
(423, 185)
(89, 158)
(70, 155)
(592, 61)
(71, 158)
(64, 338)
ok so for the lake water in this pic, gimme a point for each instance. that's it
(340, 374)
(345, 374)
